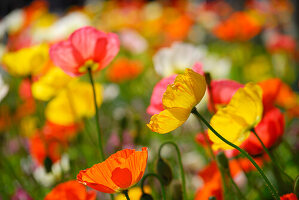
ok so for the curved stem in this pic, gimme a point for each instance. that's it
(270, 155)
(160, 180)
(268, 183)
(207, 141)
(180, 164)
(125, 192)
(102, 156)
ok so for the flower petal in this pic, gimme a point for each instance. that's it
(168, 120)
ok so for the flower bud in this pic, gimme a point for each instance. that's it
(222, 161)
(48, 164)
(164, 171)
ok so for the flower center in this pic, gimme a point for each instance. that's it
(88, 64)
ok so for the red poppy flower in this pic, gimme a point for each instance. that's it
(281, 43)
(41, 146)
(50, 141)
(123, 70)
(70, 190)
(290, 196)
(240, 26)
(86, 47)
(212, 177)
(221, 91)
(118, 172)
(270, 130)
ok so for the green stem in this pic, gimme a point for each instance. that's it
(125, 192)
(207, 141)
(270, 155)
(160, 180)
(102, 156)
(180, 164)
(268, 183)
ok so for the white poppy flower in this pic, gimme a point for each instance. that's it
(3, 89)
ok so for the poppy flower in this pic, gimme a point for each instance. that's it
(85, 47)
(211, 177)
(48, 85)
(3, 88)
(290, 196)
(179, 99)
(70, 190)
(41, 147)
(26, 61)
(175, 59)
(281, 43)
(73, 103)
(156, 104)
(240, 26)
(118, 172)
(50, 141)
(221, 92)
(25, 89)
(270, 130)
(234, 121)
(124, 69)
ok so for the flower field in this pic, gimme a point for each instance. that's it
(142, 100)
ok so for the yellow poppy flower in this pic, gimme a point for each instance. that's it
(134, 193)
(26, 61)
(73, 103)
(234, 121)
(178, 101)
(49, 84)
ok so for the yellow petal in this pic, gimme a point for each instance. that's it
(235, 120)
(168, 120)
(26, 61)
(186, 91)
(73, 103)
(49, 85)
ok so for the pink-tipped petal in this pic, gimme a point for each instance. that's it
(65, 56)
(112, 49)
(156, 105)
(198, 68)
(85, 39)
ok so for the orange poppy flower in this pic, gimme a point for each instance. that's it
(70, 190)
(118, 172)
(123, 70)
(240, 26)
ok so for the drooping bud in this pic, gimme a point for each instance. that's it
(222, 161)
(164, 171)
(48, 164)
(146, 197)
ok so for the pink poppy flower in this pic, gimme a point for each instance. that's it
(156, 105)
(86, 47)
